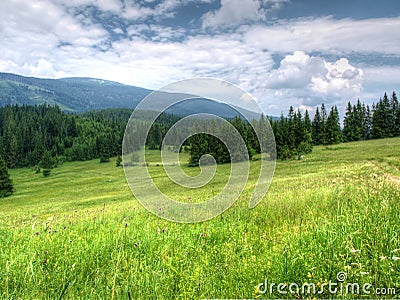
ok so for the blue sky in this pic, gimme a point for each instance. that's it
(282, 52)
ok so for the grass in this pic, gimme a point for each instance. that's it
(79, 233)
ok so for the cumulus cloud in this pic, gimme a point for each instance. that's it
(302, 71)
(58, 38)
(308, 80)
(28, 44)
(341, 79)
(296, 71)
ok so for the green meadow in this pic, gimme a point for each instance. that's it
(80, 233)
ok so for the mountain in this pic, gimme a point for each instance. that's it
(80, 94)
(71, 94)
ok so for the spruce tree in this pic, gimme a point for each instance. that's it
(307, 122)
(382, 119)
(367, 123)
(46, 163)
(333, 132)
(6, 185)
(324, 117)
(387, 116)
(395, 114)
(317, 128)
(118, 161)
(358, 121)
(348, 123)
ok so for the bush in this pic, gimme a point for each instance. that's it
(46, 172)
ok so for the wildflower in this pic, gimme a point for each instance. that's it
(395, 250)
(45, 261)
(382, 257)
(37, 233)
(46, 252)
(135, 245)
(164, 230)
(364, 273)
(395, 258)
(355, 251)
(202, 234)
(126, 225)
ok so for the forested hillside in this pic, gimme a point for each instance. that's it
(44, 135)
(70, 94)
(86, 94)
(31, 134)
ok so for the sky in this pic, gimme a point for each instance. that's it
(282, 52)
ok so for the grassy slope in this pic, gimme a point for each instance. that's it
(80, 233)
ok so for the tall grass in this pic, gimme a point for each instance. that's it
(79, 233)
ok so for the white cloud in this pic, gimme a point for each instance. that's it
(327, 35)
(163, 10)
(234, 12)
(342, 80)
(108, 5)
(296, 71)
(40, 38)
(304, 81)
(27, 41)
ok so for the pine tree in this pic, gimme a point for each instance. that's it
(382, 118)
(46, 163)
(324, 118)
(118, 161)
(305, 142)
(333, 132)
(395, 114)
(6, 185)
(367, 125)
(348, 123)
(387, 116)
(317, 128)
(307, 122)
(291, 133)
(358, 121)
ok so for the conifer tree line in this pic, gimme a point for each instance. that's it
(203, 143)
(381, 121)
(295, 134)
(44, 135)
(6, 184)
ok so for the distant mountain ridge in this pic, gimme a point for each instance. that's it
(71, 94)
(81, 94)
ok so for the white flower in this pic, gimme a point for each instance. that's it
(396, 258)
(355, 251)
(364, 273)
